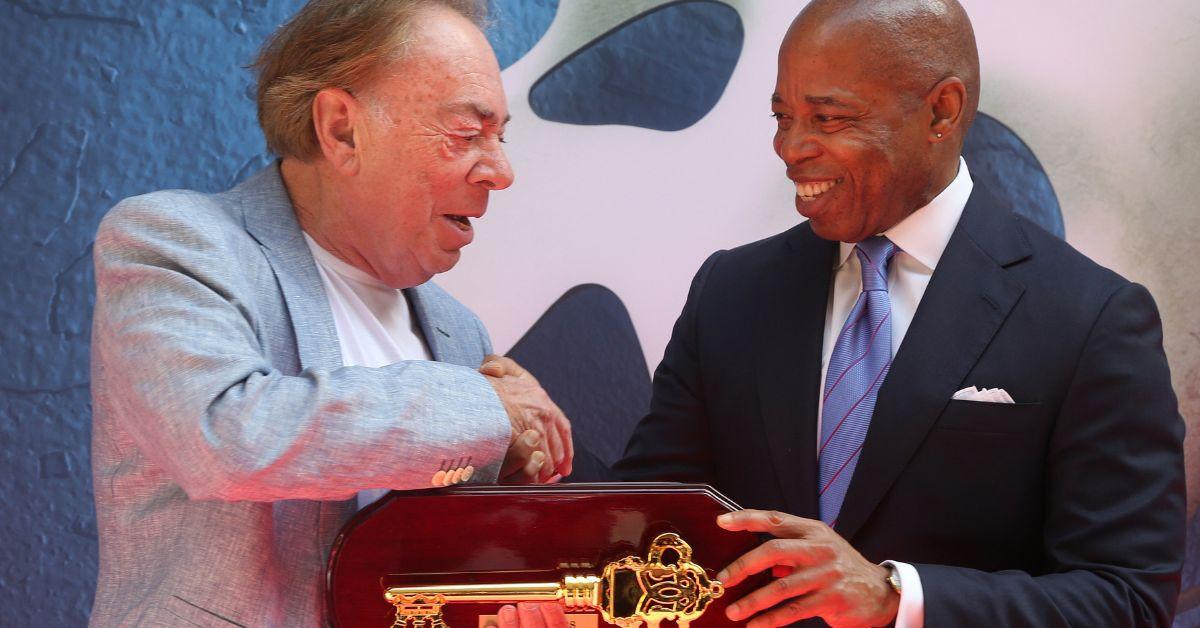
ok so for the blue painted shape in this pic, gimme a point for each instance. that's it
(664, 69)
(516, 25)
(1000, 160)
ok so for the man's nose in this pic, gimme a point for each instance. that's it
(492, 171)
(797, 145)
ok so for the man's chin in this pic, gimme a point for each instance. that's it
(442, 262)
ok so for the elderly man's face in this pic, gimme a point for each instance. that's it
(431, 153)
(854, 144)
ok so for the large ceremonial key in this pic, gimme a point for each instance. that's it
(625, 554)
(666, 586)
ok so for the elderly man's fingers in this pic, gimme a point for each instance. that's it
(563, 427)
(775, 592)
(555, 448)
(531, 615)
(520, 451)
(500, 366)
(491, 366)
(530, 473)
(554, 615)
(786, 552)
(777, 524)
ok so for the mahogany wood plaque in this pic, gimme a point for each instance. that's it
(511, 535)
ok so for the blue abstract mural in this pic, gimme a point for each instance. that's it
(104, 99)
(516, 25)
(663, 70)
(1005, 164)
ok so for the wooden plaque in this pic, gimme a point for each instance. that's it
(499, 534)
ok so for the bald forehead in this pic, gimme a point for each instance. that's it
(887, 16)
(913, 43)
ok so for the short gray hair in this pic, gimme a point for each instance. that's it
(332, 43)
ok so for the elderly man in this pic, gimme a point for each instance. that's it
(269, 359)
(832, 371)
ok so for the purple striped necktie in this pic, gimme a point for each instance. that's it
(859, 363)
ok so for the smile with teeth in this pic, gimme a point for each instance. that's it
(809, 192)
(462, 222)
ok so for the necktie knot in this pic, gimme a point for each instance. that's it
(874, 253)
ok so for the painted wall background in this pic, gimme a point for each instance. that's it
(102, 99)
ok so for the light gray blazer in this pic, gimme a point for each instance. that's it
(229, 441)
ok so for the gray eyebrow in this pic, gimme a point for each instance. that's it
(479, 110)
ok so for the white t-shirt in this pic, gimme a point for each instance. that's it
(375, 324)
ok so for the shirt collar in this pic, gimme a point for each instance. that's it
(924, 234)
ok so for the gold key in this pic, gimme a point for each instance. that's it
(627, 593)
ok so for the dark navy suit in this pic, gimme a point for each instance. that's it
(1063, 509)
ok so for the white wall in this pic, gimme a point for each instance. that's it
(1104, 92)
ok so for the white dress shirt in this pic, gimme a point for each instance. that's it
(920, 240)
(375, 325)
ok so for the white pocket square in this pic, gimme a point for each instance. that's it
(986, 395)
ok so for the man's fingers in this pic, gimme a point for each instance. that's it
(519, 452)
(503, 366)
(563, 426)
(774, 523)
(532, 471)
(554, 444)
(554, 615)
(791, 612)
(782, 571)
(531, 616)
(492, 365)
(774, 592)
(787, 552)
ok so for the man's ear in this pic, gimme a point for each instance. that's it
(948, 100)
(335, 113)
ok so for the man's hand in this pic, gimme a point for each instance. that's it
(530, 408)
(533, 615)
(524, 460)
(818, 574)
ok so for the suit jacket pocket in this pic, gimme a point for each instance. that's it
(989, 418)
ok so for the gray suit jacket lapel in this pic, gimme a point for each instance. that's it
(270, 218)
(429, 309)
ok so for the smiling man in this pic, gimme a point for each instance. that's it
(832, 373)
(270, 359)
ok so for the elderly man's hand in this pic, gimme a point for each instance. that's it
(529, 408)
(818, 574)
(532, 615)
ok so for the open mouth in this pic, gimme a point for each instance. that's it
(809, 192)
(462, 222)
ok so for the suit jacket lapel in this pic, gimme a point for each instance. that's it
(788, 344)
(968, 298)
(428, 309)
(271, 220)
